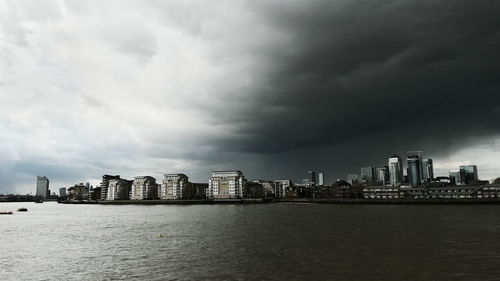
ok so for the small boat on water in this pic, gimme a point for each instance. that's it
(22, 210)
(6, 213)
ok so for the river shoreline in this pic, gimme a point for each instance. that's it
(493, 201)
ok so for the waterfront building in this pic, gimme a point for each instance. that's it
(268, 187)
(321, 179)
(455, 177)
(119, 189)
(352, 178)
(175, 186)
(62, 192)
(77, 192)
(414, 163)
(312, 178)
(199, 190)
(367, 175)
(395, 170)
(489, 191)
(281, 187)
(382, 192)
(427, 170)
(42, 187)
(144, 188)
(226, 185)
(455, 192)
(468, 174)
(382, 175)
(253, 190)
(341, 189)
(103, 187)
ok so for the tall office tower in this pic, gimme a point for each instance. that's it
(455, 177)
(175, 186)
(226, 185)
(144, 188)
(427, 170)
(414, 163)
(366, 174)
(105, 184)
(62, 192)
(321, 179)
(395, 170)
(312, 178)
(468, 174)
(280, 188)
(42, 186)
(382, 175)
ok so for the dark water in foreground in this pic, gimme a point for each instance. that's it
(249, 242)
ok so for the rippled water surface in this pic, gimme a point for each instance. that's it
(249, 242)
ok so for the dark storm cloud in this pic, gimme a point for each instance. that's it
(421, 69)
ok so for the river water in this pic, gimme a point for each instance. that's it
(249, 242)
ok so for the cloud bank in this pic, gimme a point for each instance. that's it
(273, 88)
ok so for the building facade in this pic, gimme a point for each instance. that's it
(367, 175)
(382, 175)
(395, 170)
(226, 185)
(103, 187)
(42, 187)
(281, 187)
(427, 170)
(144, 188)
(119, 189)
(321, 179)
(62, 192)
(312, 178)
(468, 174)
(175, 186)
(414, 164)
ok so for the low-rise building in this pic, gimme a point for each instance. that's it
(489, 191)
(77, 192)
(382, 192)
(253, 190)
(454, 192)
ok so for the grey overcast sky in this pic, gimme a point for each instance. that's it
(273, 88)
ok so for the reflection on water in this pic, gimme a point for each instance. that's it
(249, 242)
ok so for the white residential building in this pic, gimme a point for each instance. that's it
(119, 189)
(226, 185)
(175, 186)
(144, 188)
(280, 187)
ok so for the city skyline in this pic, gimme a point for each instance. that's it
(193, 87)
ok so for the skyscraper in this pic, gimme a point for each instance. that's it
(468, 174)
(312, 178)
(42, 186)
(395, 170)
(366, 174)
(427, 170)
(455, 177)
(321, 179)
(382, 175)
(414, 162)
